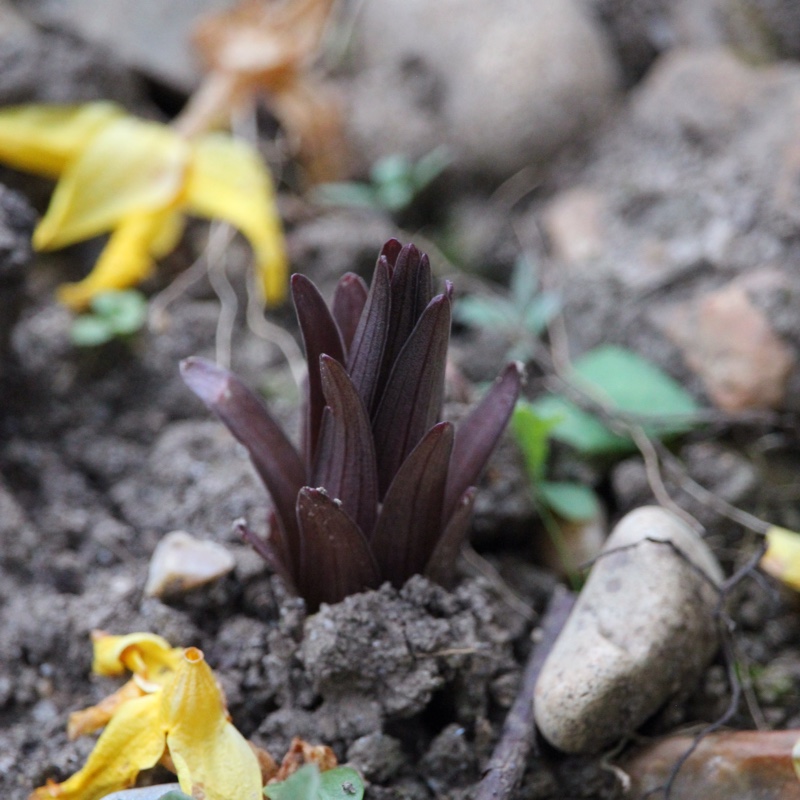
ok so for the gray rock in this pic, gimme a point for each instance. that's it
(642, 631)
(148, 35)
(52, 66)
(502, 84)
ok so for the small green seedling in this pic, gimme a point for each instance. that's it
(394, 183)
(308, 783)
(624, 383)
(522, 315)
(112, 315)
(569, 500)
(621, 382)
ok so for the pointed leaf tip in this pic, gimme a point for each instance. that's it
(247, 417)
(204, 378)
(478, 433)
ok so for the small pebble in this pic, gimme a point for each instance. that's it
(181, 563)
(642, 631)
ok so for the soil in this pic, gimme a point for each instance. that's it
(103, 451)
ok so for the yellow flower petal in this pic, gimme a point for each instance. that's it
(130, 167)
(43, 139)
(90, 719)
(144, 654)
(212, 759)
(127, 258)
(228, 180)
(132, 741)
(782, 559)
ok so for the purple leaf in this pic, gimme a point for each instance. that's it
(320, 335)
(411, 293)
(412, 400)
(273, 549)
(335, 559)
(348, 303)
(410, 519)
(345, 463)
(366, 353)
(478, 433)
(390, 250)
(441, 565)
(277, 462)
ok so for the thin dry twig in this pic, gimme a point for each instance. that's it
(507, 763)
(652, 467)
(158, 316)
(219, 237)
(273, 334)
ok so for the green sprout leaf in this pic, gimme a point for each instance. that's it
(574, 502)
(112, 315)
(522, 315)
(532, 432)
(308, 783)
(341, 783)
(485, 312)
(395, 181)
(623, 382)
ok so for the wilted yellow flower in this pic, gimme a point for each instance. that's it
(137, 179)
(171, 711)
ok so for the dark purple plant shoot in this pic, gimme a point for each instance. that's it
(380, 489)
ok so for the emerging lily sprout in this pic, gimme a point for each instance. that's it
(380, 489)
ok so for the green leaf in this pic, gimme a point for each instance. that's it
(485, 312)
(90, 331)
(394, 195)
(531, 431)
(346, 193)
(341, 783)
(303, 785)
(622, 381)
(579, 429)
(125, 312)
(308, 783)
(571, 501)
(175, 794)
(540, 311)
(430, 166)
(394, 168)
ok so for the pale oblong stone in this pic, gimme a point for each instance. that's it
(181, 563)
(642, 630)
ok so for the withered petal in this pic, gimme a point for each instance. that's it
(410, 519)
(441, 565)
(320, 335)
(275, 458)
(366, 353)
(345, 464)
(412, 400)
(349, 300)
(478, 433)
(336, 560)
